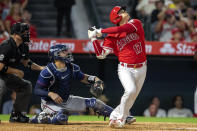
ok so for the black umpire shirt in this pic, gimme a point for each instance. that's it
(11, 55)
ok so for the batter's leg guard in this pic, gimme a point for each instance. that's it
(61, 118)
(99, 107)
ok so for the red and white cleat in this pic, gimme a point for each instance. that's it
(120, 123)
(112, 123)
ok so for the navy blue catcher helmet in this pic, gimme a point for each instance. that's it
(56, 49)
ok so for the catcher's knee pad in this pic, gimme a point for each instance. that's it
(100, 107)
(61, 118)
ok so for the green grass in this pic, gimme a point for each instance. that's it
(139, 119)
(156, 119)
(4, 117)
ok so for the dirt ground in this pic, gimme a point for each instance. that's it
(98, 126)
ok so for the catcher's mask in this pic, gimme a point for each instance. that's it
(21, 29)
(56, 49)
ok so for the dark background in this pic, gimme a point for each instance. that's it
(166, 77)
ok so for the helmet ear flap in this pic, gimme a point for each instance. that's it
(118, 19)
(115, 17)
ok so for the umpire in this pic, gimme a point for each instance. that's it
(14, 51)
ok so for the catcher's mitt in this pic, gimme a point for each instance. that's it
(96, 89)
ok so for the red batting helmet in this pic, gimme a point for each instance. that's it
(115, 18)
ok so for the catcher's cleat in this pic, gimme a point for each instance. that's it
(99, 114)
(18, 117)
(130, 119)
(100, 108)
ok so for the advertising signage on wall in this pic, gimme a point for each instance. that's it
(168, 48)
(85, 46)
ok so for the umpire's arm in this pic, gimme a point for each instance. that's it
(10, 70)
(31, 65)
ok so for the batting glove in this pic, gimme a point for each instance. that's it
(92, 33)
(98, 32)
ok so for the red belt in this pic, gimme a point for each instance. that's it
(132, 65)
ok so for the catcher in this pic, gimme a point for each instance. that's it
(53, 85)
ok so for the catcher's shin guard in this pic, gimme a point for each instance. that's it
(42, 118)
(99, 107)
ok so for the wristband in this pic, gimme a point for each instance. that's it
(99, 31)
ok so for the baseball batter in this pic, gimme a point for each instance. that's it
(127, 42)
(54, 84)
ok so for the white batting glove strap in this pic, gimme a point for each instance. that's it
(93, 39)
(98, 32)
(91, 34)
(101, 57)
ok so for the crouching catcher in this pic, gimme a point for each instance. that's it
(54, 84)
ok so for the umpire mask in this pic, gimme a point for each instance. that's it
(22, 29)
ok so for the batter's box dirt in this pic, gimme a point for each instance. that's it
(99, 126)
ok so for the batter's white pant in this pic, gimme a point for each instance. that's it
(74, 104)
(132, 80)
